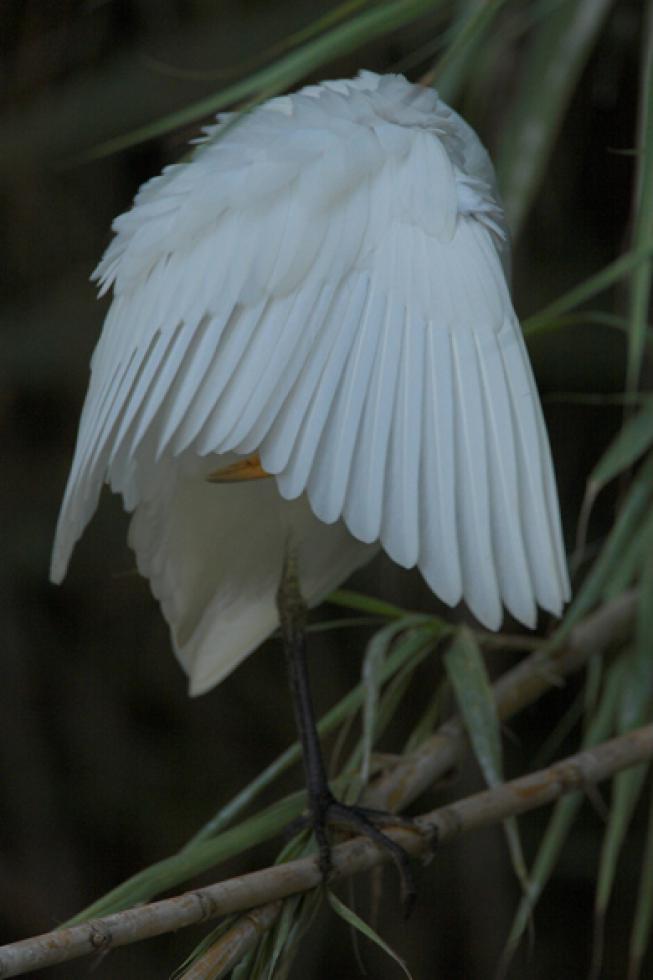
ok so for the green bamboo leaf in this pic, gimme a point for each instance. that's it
(282, 73)
(626, 791)
(628, 523)
(416, 646)
(260, 57)
(633, 710)
(645, 616)
(641, 931)
(471, 685)
(427, 722)
(598, 318)
(278, 946)
(365, 603)
(627, 787)
(395, 690)
(411, 648)
(473, 27)
(279, 939)
(329, 625)
(319, 26)
(373, 662)
(557, 831)
(357, 923)
(560, 732)
(632, 561)
(203, 946)
(640, 281)
(633, 440)
(192, 861)
(637, 698)
(310, 906)
(241, 971)
(466, 671)
(562, 818)
(585, 290)
(600, 400)
(263, 950)
(594, 677)
(559, 51)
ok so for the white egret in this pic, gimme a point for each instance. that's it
(320, 294)
(324, 285)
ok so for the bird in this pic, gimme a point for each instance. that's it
(312, 333)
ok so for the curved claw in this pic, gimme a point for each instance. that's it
(362, 821)
(365, 822)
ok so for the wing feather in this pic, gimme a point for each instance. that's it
(165, 379)
(363, 507)
(507, 514)
(151, 368)
(480, 585)
(294, 477)
(234, 400)
(272, 360)
(279, 441)
(205, 386)
(327, 483)
(400, 533)
(440, 561)
(543, 537)
(308, 338)
(99, 425)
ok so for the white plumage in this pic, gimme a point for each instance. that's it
(324, 283)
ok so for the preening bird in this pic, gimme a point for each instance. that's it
(312, 332)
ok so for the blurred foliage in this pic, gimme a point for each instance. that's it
(106, 765)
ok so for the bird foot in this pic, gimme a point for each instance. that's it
(327, 811)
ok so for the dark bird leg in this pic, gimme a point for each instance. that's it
(324, 807)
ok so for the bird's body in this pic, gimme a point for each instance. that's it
(323, 284)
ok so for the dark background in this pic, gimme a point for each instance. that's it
(105, 764)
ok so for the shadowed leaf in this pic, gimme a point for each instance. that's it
(644, 912)
(466, 671)
(562, 818)
(633, 440)
(633, 710)
(558, 53)
(548, 318)
(357, 923)
(283, 73)
(377, 715)
(634, 509)
(365, 603)
(640, 280)
(474, 25)
(641, 931)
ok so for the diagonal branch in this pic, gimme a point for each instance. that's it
(360, 854)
